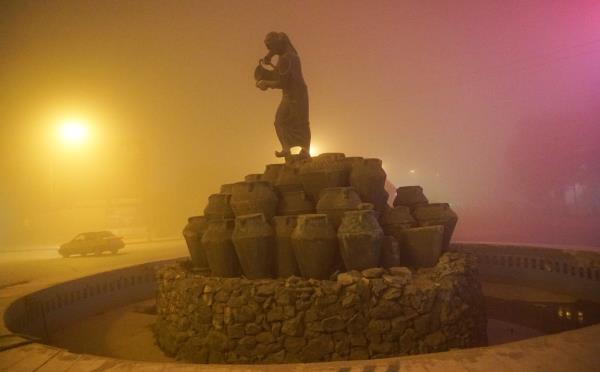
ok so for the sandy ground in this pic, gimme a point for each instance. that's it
(124, 333)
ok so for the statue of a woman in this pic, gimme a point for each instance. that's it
(291, 120)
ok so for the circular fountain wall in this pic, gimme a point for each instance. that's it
(374, 314)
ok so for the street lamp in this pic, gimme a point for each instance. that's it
(73, 132)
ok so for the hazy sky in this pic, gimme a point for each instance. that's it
(451, 89)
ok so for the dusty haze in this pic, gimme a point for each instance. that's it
(493, 105)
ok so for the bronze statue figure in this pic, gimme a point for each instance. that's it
(291, 120)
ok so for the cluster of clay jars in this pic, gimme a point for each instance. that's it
(423, 230)
(312, 217)
(411, 199)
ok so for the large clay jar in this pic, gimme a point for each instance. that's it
(368, 179)
(360, 240)
(192, 232)
(324, 171)
(315, 246)
(272, 172)
(254, 242)
(390, 252)
(294, 203)
(437, 214)
(351, 161)
(394, 220)
(253, 197)
(220, 252)
(335, 201)
(286, 264)
(421, 246)
(253, 177)
(226, 188)
(218, 207)
(296, 160)
(410, 196)
(288, 179)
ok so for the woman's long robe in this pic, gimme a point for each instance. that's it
(291, 119)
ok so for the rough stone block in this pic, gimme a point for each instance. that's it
(374, 272)
(388, 313)
(235, 331)
(294, 344)
(332, 324)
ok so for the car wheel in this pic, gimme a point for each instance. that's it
(97, 252)
(114, 251)
(65, 255)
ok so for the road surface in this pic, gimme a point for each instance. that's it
(45, 265)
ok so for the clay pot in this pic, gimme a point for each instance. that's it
(315, 246)
(390, 252)
(410, 196)
(263, 73)
(335, 201)
(226, 188)
(220, 252)
(351, 161)
(381, 201)
(330, 157)
(294, 203)
(192, 232)
(368, 179)
(394, 220)
(360, 238)
(370, 207)
(253, 197)
(324, 171)
(421, 246)
(437, 214)
(365, 207)
(288, 179)
(286, 264)
(254, 242)
(253, 177)
(272, 172)
(218, 207)
(296, 160)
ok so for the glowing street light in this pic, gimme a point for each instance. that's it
(73, 132)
